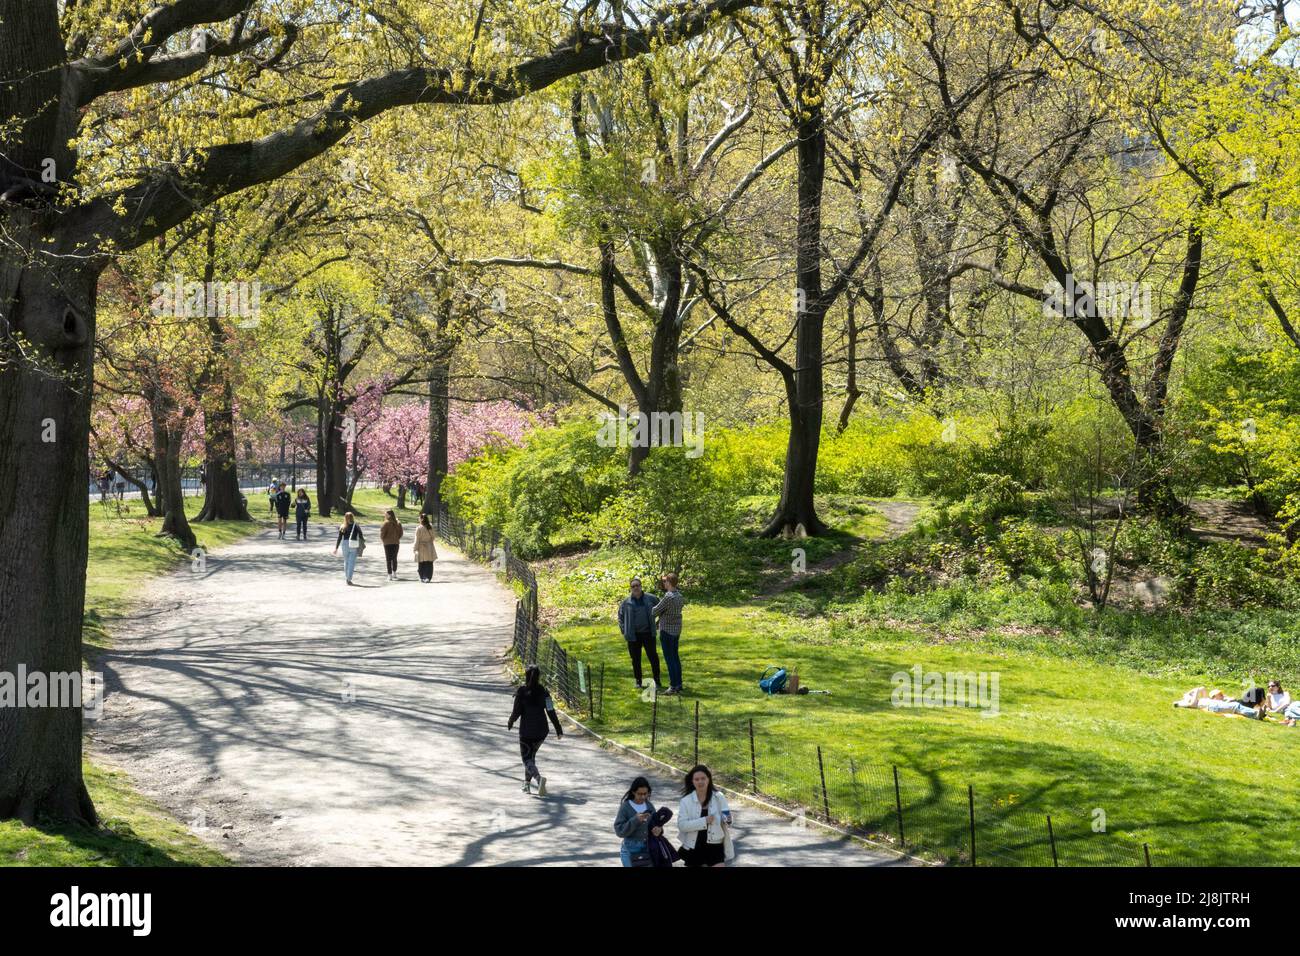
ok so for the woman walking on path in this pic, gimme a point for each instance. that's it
(425, 552)
(390, 535)
(301, 512)
(353, 542)
(533, 705)
(634, 824)
(703, 818)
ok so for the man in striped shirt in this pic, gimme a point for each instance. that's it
(669, 613)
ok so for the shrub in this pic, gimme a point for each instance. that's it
(559, 477)
(671, 515)
(1227, 575)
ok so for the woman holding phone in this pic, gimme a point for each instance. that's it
(633, 824)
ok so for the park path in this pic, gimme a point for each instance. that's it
(226, 703)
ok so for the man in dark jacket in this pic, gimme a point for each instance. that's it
(637, 625)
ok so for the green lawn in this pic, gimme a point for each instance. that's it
(133, 831)
(1085, 724)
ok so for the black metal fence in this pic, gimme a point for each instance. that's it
(912, 809)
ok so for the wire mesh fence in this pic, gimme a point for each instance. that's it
(913, 809)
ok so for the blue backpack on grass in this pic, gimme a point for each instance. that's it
(773, 683)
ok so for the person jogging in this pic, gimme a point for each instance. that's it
(390, 536)
(353, 543)
(426, 552)
(301, 512)
(533, 705)
(636, 622)
(669, 613)
(282, 501)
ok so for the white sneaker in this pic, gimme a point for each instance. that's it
(541, 786)
(528, 786)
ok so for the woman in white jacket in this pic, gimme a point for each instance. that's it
(703, 819)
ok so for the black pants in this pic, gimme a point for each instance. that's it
(302, 527)
(644, 641)
(390, 555)
(426, 570)
(528, 751)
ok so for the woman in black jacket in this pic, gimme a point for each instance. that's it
(533, 705)
(301, 512)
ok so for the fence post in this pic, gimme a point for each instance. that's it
(697, 733)
(1051, 838)
(602, 689)
(654, 721)
(970, 793)
(821, 769)
(1146, 850)
(591, 698)
(898, 805)
(753, 758)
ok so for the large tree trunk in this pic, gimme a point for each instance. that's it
(323, 507)
(44, 527)
(663, 384)
(797, 513)
(332, 493)
(47, 297)
(223, 501)
(168, 436)
(439, 415)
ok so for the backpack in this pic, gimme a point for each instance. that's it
(1252, 697)
(774, 684)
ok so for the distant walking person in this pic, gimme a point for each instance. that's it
(301, 512)
(425, 551)
(390, 535)
(282, 501)
(636, 622)
(353, 543)
(703, 819)
(669, 613)
(533, 706)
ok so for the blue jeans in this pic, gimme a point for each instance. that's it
(669, 643)
(630, 847)
(349, 562)
(1292, 711)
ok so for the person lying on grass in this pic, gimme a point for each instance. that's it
(1216, 703)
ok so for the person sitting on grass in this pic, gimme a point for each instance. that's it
(1217, 703)
(1280, 703)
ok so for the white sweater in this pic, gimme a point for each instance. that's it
(691, 821)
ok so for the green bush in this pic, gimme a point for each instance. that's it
(1227, 575)
(558, 478)
(673, 513)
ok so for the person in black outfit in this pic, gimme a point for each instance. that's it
(533, 705)
(282, 500)
(301, 512)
